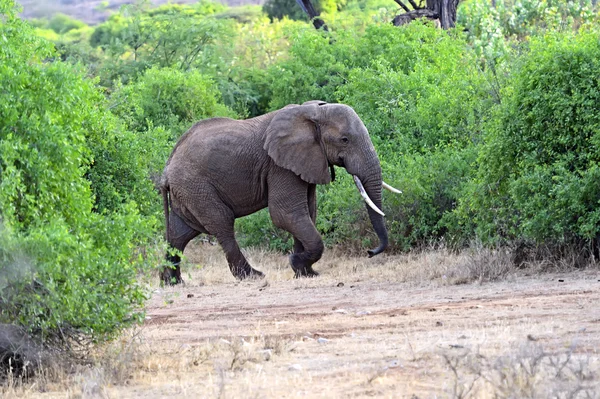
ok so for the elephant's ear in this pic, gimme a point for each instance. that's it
(293, 140)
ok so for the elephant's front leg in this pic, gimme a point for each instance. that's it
(291, 210)
(312, 209)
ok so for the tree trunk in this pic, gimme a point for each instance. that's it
(441, 11)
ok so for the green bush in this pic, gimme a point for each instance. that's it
(425, 102)
(79, 266)
(278, 9)
(169, 98)
(171, 36)
(493, 27)
(538, 170)
(61, 23)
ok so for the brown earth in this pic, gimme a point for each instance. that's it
(390, 326)
(356, 331)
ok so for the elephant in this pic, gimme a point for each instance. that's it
(222, 169)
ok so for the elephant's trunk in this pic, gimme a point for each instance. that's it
(372, 186)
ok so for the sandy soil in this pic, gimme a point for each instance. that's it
(367, 336)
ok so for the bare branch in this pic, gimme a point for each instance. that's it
(408, 17)
(413, 4)
(401, 4)
(313, 15)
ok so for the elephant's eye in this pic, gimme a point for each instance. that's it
(344, 140)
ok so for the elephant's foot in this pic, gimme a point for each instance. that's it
(171, 276)
(248, 274)
(302, 267)
(307, 272)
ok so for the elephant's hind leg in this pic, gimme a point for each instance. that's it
(178, 237)
(220, 224)
(239, 266)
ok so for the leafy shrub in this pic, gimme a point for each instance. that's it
(278, 9)
(538, 170)
(78, 267)
(61, 23)
(489, 24)
(168, 98)
(169, 36)
(424, 100)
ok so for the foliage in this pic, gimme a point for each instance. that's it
(175, 36)
(488, 129)
(168, 98)
(278, 9)
(538, 170)
(426, 121)
(491, 27)
(79, 278)
(61, 23)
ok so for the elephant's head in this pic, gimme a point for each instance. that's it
(309, 138)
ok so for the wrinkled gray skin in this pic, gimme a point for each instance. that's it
(222, 169)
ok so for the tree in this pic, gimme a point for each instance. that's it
(443, 11)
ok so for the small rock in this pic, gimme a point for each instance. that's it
(267, 353)
(433, 310)
(560, 280)
(363, 313)
(531, 337)
(344, 311)
(295, 367)
(439, 323)
(340, 284)
(394, 363)
(322, 340)
(190, 295)
(225, 341)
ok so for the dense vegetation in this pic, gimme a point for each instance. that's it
(492, 130)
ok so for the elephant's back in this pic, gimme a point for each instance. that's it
(222, 154)
(199, 129)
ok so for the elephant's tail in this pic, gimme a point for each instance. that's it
(164, 189)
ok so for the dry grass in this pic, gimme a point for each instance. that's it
(390, 326)
(205, 265)
(132, 360)
(529, 371)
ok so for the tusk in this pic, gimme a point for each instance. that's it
(364, 194)
(388, 187)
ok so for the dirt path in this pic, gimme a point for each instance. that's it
(329, 337)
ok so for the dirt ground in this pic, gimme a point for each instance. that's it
(390, 327)
(356, 332)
